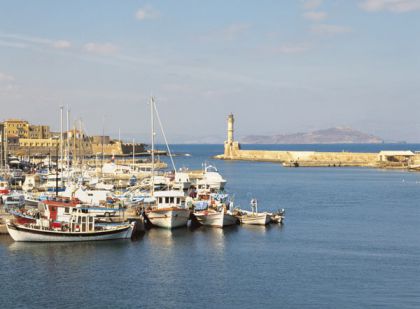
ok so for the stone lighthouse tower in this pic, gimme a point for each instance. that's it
(230, 145)
(231, 121)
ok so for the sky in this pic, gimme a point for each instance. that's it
(279, 66)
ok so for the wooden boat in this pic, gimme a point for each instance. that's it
(80, 227)
(169, 210)
(215, 218)
(253, 217)
(213, 211)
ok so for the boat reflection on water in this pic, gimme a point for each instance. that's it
(72, 252)
(259, 229)
(165, 237)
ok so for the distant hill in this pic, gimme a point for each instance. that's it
(338, 135)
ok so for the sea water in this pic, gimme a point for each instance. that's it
(351, 239)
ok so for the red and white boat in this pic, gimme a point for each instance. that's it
(61, 220)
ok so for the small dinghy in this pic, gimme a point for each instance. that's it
(278, 216)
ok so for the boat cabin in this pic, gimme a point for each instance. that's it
(81, 221)
(58, 209)
(172, 198)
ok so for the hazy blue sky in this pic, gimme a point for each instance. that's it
(279, 66)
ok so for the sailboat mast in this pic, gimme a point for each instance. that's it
(61, 135)
(152, 109)
(67, 142)
(133, 153)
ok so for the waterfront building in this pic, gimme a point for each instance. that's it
(39, 132)
(16, 127)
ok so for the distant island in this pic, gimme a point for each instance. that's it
(338, 135)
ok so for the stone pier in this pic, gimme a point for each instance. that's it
(383, 159)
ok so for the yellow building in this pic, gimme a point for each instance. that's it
(16, 127)
(39, 131)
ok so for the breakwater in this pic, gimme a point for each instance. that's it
(382, 159)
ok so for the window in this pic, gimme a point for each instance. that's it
(171, 200)
(67, 210)
(167, 200)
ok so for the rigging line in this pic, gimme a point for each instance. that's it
(164, 136)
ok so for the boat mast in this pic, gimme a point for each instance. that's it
(67, 143)
(61, 135)
(133, 153)
(152, 116)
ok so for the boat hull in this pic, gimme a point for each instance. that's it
(255, 219)
(169, 218)
(215, 219)
(21, 233)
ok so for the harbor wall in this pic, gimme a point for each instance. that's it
(383, 159)
(233, 152)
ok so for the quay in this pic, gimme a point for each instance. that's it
(384, 159)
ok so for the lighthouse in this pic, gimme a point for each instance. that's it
(230, 145)
(231, 120)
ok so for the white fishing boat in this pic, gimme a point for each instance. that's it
(211, 180)
(181, 180)
(215, 218)
(214, 213)
(253, 217)
(169, 211)
(80, 227)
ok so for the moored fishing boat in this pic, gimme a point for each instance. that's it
(214, 212)
(169, 211)
(80, 227)
(215, 218)
(253, 217)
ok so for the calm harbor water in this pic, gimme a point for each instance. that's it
(350, 240)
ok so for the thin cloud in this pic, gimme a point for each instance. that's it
(12, 44)
(18, 40)
(325, 29)
(61, 44)
(229, 33)
(312, 4)
(147, 12)
(315, 16)
(396, 6)
(232, 31)
(290, 49)
(101, 48)
(6, 77)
